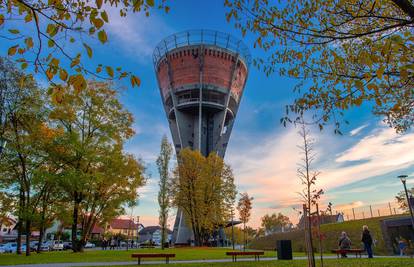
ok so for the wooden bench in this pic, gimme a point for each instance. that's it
(355, 251)
(234, 254)
(167, 256)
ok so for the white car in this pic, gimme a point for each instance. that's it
(89, 245)
(56, 245)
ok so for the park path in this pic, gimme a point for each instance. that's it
(126, 263)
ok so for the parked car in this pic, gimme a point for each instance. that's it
(12, 247)
(67, 245)
(89, 245)
(56, 245)
(3, 247)
(33, 245)
(45, 246)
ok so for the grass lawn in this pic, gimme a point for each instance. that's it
(351, 262)
(117, 255)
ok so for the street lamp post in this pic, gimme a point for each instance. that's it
(403, 179)
(232, 229)
(137, 231)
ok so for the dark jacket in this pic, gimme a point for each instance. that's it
(345, 243)
(366, 237)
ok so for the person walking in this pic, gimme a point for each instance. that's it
(112, 246)
(402, 245)
(344, 244)
(367, 240)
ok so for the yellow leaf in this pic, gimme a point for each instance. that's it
(50, 43)
(1, 19)
(102, 36)
(99, 3)
(78, 82)
(150, 3)
(14, 31)
(104, 16)
(54, 62)
(135, 81)
(98, 23)
(63, 75)
(49, 74)
(110, 71)
(28, 17)
(12, 50)
(88, 50)
(380, 72)
(51, 29)
(74, 62)
(29, 42)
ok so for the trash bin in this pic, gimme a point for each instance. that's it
(284, 249)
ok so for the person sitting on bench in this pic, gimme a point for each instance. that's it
(344, 244)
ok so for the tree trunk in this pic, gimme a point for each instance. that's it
(42, 225)
(19, 236)
(163, 234)
(245, 241)
(311, 262)
(28, 234)
(75, 243)
(20, 221)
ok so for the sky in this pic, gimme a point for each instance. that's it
(357, 169)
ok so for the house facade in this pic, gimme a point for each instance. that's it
(7, 229)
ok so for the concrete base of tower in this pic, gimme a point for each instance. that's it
(182, 234)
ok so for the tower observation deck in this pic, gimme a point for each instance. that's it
(201, 77)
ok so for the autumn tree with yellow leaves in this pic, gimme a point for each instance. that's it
(64, 161)
(56, 38)
(244, 207)
(344, 54)
(23, 114)
(203, 187)
(97, 176)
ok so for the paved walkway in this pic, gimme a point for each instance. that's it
(126, 263)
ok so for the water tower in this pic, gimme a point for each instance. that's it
(201, 76)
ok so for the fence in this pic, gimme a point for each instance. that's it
(370, 211)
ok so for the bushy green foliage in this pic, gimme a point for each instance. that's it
(332, 232)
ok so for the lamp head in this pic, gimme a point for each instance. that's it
(403, 178)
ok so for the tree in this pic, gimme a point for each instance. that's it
(163, 163)
(244, 207)
(96, 175)
(55, 37)
(24, 113)
(309, 194)
(343, 53)
(402, 199)
(204, 189)
(275, 223)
